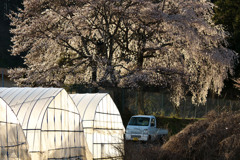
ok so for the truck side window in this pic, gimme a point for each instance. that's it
(152, 122)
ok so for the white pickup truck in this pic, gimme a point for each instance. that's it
(143, 128)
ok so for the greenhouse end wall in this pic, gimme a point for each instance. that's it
(102, 123)
(12, 139)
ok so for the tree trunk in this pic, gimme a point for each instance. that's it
(140, 101)
(94, 88)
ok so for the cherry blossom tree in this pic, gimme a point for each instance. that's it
(122, 43)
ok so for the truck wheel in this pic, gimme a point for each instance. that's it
(149, 139)
(161, 141)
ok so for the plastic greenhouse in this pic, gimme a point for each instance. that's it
(102, 124)
(50, 121)
(12, 138)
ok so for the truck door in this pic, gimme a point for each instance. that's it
(152, 126)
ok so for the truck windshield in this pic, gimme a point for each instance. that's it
(139, 121)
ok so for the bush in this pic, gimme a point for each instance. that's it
(216, 137)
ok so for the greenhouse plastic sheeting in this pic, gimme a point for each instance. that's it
(50, 120)
(102, 124)
(12, 139)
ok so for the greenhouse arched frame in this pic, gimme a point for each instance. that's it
(50, 121)
(102, 124)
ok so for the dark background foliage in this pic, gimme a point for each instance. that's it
(6, 60)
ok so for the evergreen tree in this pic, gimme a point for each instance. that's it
(227, 13)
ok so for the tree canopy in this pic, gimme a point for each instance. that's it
(122, 43)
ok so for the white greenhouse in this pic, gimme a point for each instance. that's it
(12, 139)
(102, 124)
(50, 121)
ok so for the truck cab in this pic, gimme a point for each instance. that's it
(143, 128)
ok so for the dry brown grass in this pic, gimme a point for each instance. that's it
(216, 137)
